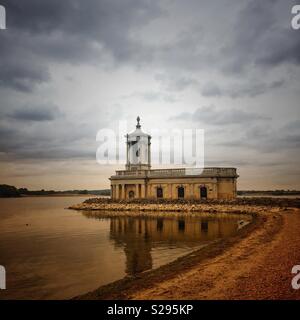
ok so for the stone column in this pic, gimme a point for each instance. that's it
(137, 191)
(143, 194)
(217, 191)
(127, 153)
(117, 191)
(111, 191)
(174, 191)
(170, 190)
(149, 152)
(192, 191)
(149, 190)
(123, 192)
(186, 191)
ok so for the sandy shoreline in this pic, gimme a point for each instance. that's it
(256, 263)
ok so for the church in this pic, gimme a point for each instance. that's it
(139, 181)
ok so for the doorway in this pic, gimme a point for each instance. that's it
(159, 192)
(203, 192)
(181, 192)
(131, 194)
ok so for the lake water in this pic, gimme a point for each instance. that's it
(53, 253)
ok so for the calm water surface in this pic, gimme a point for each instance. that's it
(53, 253)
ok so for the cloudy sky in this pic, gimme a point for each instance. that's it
(69, 68)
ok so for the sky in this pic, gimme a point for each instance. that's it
(70, 68)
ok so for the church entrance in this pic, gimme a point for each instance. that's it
(203, 192)
(159, 192)
(181, 192)
(131, 194)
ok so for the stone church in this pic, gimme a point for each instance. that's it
(138, 180)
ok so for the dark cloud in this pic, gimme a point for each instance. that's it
(210, 115)
(43, 113)
(21, 77)
(259, 38)
(267, 139)
(45, 132)
(263, 37)
(102, 32)
(251, 89)
(72, 31)
(20, 70)
(236, 49)
(46, 140)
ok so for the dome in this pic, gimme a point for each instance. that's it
(138, 132)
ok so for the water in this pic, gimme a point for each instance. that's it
(53, 253)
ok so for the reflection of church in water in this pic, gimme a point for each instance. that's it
(139, 236)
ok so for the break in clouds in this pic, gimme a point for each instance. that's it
(69, 68)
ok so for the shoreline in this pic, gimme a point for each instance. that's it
(235, 206)
(127, 287)
(220, 269)
(234, 268)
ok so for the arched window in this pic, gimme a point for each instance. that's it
(181, 192)
(203, 192)
(159, 192)
(131, 194)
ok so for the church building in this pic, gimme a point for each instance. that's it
(138, 180)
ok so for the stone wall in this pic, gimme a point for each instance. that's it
(216, 188)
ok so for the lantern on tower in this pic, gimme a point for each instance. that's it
(138, 149)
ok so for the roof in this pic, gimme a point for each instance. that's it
(138, 131)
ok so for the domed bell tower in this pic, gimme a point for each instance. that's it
(138, 149)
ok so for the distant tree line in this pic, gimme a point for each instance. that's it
(7, 191)
(269, 192)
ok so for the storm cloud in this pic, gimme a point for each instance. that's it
(210, 115)
(108, 33)
(47, 113)
(69, 68)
